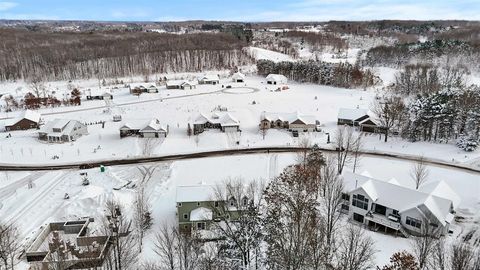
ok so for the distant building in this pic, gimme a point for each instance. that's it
(209, 79)
(62, 130)
(181, 84)
(98, 94)
(290, 121)
(238, 77)
(390, 207)
(150, 129)
(219, 120)
(29, 120)
(358, 117)
(276, 79)
(72, 243)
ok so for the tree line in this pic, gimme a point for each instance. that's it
(318, 72)
(431, 103)
(68, 56)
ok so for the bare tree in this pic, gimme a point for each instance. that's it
(389, 112)
(463, 257)
(357, 154)
(9, 246)
(38, 87)
(142, 214)
(423, 244)
(356, 250)
(165, 246)
(345, 145)
(419, 172)
(330, 204)
(123, 252)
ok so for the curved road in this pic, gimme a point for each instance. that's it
(220, 153)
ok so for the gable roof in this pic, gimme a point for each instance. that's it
(398, 197)
(198, 193)
(441, 189)
(222, 118)
(154, 125)
(210, 77)
(28, 115)
(351, 114)
(66, 126)
(238, 75)
(290, 117)
(277, 78)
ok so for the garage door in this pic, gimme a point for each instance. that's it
(230, 129)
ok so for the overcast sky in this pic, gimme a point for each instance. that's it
(240, 10)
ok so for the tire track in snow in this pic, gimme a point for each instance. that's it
(12, 187)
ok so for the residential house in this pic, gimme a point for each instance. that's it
(198, 207)
(290, 121)
(98, 94)
(219, 120)
(276, 79)
(144, 129)
(388, 206)
(358, 117)
(62, 130)
(181, 84)
(152, 89)
(29, 120)
(81, 245)
(194, 207)
(209, 79)
(238, 77)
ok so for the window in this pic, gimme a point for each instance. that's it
(231, 202)
(360, 201)
(245, 201)
(414, 222)
(185, 216)
(345, 207)
(357, 217)
(346, 196)
(201, 226)
(215, 204)
(198, 203)
(179, 204)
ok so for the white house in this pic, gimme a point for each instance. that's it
(209, 79)
(394, 208)
(153, 130)
(238, 77)
(62, 130)
(358, 117)
(219, 120)
(276, 79)
(290, 121)
(145, 129)
(181, 84)
(98, 94)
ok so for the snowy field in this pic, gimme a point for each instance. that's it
(29, 208)
(177, 108)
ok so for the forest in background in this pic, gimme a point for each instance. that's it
(35, 56)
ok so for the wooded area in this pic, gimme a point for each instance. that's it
(67, 56)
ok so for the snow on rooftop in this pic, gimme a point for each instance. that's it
(28, 114)
(351, 114)
(277, 78)
(290, 117)
(198, 193)
(201, 214)
(441, 189)
(238, 75)
(395, 196)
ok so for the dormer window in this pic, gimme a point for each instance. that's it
(231, 202)
(245, 201)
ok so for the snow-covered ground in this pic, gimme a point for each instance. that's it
(264, 54)
(178, 108)
(29, 208)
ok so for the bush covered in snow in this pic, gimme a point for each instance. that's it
(467, 143)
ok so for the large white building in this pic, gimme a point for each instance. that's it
(62, 130)
(389, 206)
